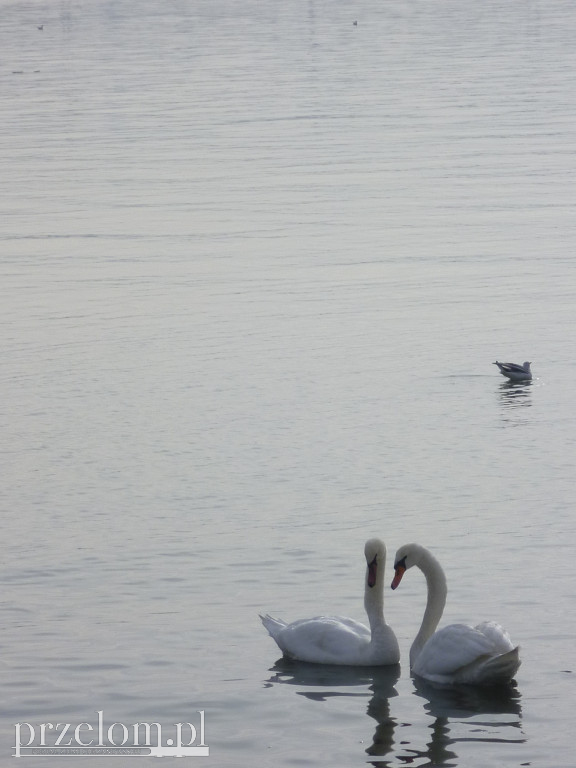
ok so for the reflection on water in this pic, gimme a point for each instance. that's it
(437, 750)
(379, 710)
(514, 394)
(468, 700)
(460, 714)
(378, 682)
(379, 679)
(449, 706)
(514, 397)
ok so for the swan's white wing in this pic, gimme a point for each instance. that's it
(452, 648)
(462, 654)
(498, 637)
(325, 640)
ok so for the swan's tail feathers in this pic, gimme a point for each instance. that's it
(502, 668)
(274, 626)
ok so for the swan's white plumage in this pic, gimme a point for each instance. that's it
(459, 653)
(340, 640)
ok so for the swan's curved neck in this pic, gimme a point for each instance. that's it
(437, 590)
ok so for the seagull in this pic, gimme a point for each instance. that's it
(515, 372)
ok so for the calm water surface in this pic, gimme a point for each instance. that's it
(256, 262)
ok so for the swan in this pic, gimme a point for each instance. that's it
(338, 640)
(482, 655)
(515, 372)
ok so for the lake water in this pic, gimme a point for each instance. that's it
(256, 262)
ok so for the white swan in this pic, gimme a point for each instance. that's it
(515, 372)
(337, 640)
(483, 655)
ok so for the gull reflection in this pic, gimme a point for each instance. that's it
(514, 394)
(321, 682)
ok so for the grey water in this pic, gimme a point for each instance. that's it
(256, 263)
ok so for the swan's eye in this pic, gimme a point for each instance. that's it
(400, 563)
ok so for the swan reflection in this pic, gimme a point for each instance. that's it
(326, 676)
(454, 714)
(468, 700)
(493, 715)
(322, 682)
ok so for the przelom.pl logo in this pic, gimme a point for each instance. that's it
(103, 740)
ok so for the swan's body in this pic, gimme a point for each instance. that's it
(482, 655)
(515, 372)
(338, 640)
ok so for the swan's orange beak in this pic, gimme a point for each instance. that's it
(400, 571)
